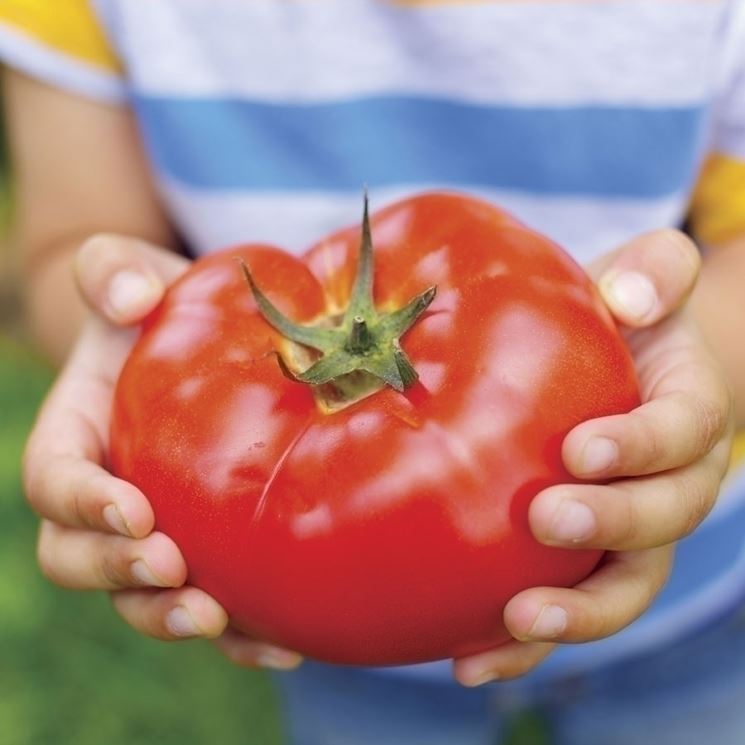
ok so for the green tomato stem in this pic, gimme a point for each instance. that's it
(364, 341)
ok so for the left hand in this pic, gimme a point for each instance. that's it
(661, 465)
(97, 531)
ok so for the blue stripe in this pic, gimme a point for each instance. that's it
(238, 144)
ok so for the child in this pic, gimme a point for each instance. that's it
(150, 124)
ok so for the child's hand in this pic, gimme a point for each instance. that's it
(669, 457)
(666, 459)
(96, 530)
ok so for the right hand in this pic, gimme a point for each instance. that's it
(97, 531)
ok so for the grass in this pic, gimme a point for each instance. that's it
(72, 673)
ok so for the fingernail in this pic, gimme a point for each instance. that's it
(573, 522)
(599, 454)
(131, 291)
(115, 520)
(631, 293)
(549, 623)
(145, 576)
(180, 623)
(278, 659)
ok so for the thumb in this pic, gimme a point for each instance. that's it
(648, 278)
(123, 279)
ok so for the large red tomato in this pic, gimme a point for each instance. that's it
(390, 529)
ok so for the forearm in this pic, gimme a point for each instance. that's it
(78, 170)
(719, 304)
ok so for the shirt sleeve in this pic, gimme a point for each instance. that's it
(717, 213)
(718, 206)
(61, 42)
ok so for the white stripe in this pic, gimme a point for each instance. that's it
(294, 220)
(733, 45)
(730, 139)
(619, 51)
(55, 68)
(729, 132)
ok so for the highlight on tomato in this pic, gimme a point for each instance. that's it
(344, 445)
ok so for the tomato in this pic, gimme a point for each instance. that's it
(348, 520)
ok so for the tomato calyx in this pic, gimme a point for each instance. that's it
(364, 343)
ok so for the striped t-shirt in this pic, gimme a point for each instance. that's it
(590, 120)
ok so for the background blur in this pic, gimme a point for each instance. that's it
(71, 673)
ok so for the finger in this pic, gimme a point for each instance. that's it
(649, 277)
(244, 651)
(84, 560)
(670, 431)
(510, 660)
(631, 514)
(124, 278)
(171, 615)
(77, 493)
(62, 475)
(607, 601)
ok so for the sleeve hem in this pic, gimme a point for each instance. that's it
(24, 53)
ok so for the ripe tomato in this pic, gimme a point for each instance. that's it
(392, 529)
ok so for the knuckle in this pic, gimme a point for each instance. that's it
(626, 526)
(111, 572)
(598, 619)
(75, 508)
(684, 248)
(710, 419)
(84, 503)
(647, 443)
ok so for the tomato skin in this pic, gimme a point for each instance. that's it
(395, 530)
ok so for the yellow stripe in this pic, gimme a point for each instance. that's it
(718, 204)
(67, 26)
(738, 450)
